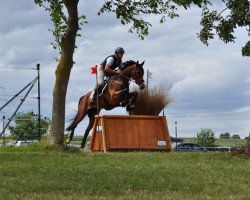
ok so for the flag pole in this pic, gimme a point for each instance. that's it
(147, 79)
(97, 94)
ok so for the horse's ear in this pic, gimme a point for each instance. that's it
(137, 62)
(142, 63)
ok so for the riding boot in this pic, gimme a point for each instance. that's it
(97, 90)
(93, 99)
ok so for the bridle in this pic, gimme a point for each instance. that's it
(130, 79)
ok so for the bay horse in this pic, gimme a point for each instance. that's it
(116, 94)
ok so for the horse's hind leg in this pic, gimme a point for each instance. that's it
(70, 136)
(76, 121)
(91, 115)
(82, 111)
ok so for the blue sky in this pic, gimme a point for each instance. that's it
(210, 85)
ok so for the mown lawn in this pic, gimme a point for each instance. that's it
(41, 173)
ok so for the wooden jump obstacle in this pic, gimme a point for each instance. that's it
(130, 132)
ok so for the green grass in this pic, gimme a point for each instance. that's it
(39, 172)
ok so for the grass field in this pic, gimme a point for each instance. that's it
(39, 172)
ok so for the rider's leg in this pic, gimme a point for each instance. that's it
(100, 78)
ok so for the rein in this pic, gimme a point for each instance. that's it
(130, 79)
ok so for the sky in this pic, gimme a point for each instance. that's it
(210, 85)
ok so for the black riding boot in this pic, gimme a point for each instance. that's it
(93, 99)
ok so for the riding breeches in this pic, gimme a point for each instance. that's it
(100, 74)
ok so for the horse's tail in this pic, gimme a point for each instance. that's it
(72, 125)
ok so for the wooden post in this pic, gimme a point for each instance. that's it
(103, 135)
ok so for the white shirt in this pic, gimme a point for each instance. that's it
(110, 61)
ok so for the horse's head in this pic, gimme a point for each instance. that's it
(137, 75)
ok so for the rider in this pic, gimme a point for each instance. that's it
(108, 68)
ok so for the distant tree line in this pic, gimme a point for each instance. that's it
(228, 136)
(206, 137)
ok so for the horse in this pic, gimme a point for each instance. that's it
(116, 94)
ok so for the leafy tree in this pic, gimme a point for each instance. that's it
(27, 125)
(224, 22)
(64, 16)
(206, 138)
(235, 137)
(225, 135)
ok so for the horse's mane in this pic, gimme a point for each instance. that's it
(126, 64)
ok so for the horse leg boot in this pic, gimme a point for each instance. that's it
(125, 98)
(70, 137)
(84, 141)
(131, 101)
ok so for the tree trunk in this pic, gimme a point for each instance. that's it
(63, 73)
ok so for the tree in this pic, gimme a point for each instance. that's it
(225, 135)
(235, 137)
(27, 125)
(235, 14)
(64, 16)
(206, 138)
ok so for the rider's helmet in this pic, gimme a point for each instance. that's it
(119, 50)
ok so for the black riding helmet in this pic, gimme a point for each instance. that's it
(119, 50)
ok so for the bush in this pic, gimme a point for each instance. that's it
(206, 138)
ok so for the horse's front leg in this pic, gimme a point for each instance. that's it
(121, 94)
(131, 101)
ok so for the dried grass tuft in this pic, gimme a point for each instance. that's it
(152, 101)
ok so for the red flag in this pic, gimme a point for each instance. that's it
(94, 69)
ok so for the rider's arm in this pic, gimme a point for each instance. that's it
(107, 68)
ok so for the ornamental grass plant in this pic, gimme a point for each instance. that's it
(151, 101)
